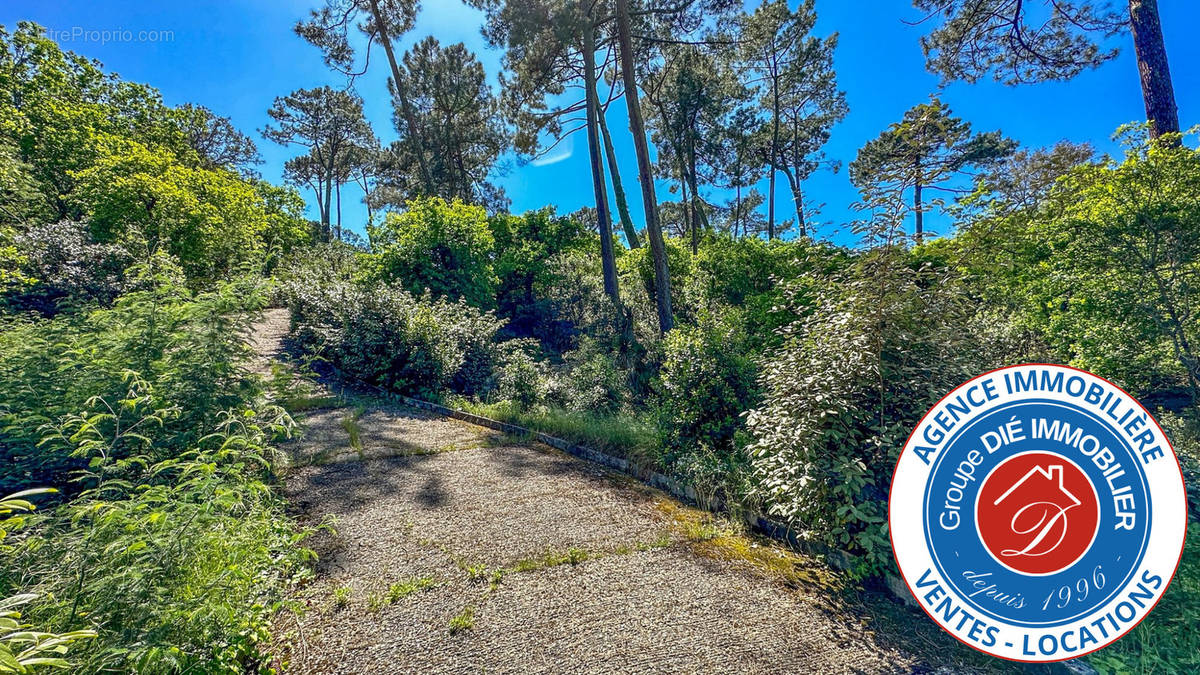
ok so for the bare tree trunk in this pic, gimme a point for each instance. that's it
(608, 262)
(329, 205)
(797, 198)
(339, 211)
(365, 184)
(631, 235)
(737, 210)
(699, 218)
(685, 199)
(918, 208)
(1157, 91)
(406, 109)
(637, 126)
(774, 155)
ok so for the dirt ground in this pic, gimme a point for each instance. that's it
(455, 549)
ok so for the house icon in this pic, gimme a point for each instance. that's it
(1048, 501)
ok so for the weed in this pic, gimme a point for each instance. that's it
(403, 589)
(464, 620)
(475, 573)
(621, 433)
(496, 578)
(341, 596)
(354, 430)
(572, 556)
(375, 602)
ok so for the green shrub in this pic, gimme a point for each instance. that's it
(439, 247)
(23, 649)
(188, 347)
(64, 267)
(178, 563)
(170, 543)
(840, 398)
(706, 384)
(522, 379)
(525, 248)
(1184, 431)
(213, 222)
(592, 380)
(386, 336)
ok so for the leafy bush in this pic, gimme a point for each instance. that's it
(170, 543)
(1184, 431)
(522, 379)
(706, 384)
(580, 304)
(444, 248)
(177, 563)
(386, 336)
(63, 265)
(1104, 267)
(592, 380)
(884, 343)
(525, 248)
(188, 347)
(22, 649)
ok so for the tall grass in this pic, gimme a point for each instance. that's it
(623, 434)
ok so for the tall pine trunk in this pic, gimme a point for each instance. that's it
(631, 234)
(699, 217)
(797, 198)
(406, 109)
(774, 155)
(329, 204)
(919, 209)
(637, 126)
(608, 262)
(1157, 92)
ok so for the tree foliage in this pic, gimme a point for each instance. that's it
(440, 247)
(1017, 43)
(928, 147)
(462, 134)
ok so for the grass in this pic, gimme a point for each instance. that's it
(464, 620)
(341, 596)
(292, 387)
(620, 434)
(354, 430)
(297, 404)
(572, 556)
(721, 539)
(375, 602)
(403, 589)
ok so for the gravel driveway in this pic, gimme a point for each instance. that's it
(455, 549)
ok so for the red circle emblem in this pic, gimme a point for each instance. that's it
(1037, 513)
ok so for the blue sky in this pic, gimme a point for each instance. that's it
(236, 56)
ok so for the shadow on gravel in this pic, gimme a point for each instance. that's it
(349, 485)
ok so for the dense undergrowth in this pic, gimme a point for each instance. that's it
(166, 538)
(796, 369)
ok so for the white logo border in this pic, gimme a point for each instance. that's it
(1164, 547)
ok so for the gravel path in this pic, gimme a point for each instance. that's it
(454, 549)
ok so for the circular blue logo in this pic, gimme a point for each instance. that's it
(1037, 513)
